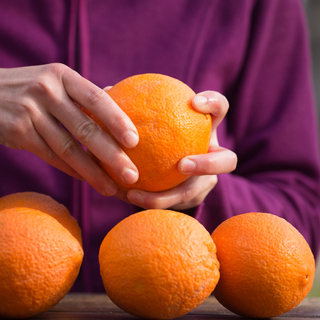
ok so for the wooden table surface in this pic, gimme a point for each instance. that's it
(98, 306)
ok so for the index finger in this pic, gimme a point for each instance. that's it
(97, 101)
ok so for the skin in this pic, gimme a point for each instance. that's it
(37, 103)
(202, 168)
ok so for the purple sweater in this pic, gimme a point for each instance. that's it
(254, 52)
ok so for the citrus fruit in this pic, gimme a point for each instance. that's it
(45, 203)
(39, 261)
(158, 264)
(266, 266)
(168, 126)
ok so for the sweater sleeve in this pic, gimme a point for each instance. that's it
(272, 123)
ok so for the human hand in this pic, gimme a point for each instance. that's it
(37, 106)
(203, 168)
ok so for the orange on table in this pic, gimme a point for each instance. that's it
(158, 264)
(169, 128)
(45, 203)
(266, 266)
(39, 258)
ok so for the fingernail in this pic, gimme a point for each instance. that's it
(215, 101)
(131, 139)
(107, 88)
(130, 176)
(187, 165)
(200, 101)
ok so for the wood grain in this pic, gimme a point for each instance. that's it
(99, 306)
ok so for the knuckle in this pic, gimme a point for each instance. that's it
(87, 131)
(19, 129)
(42, 85)
(51, 156)
(22, 125)
(98, 177)
(56, 69)
(195, 194)
(45, 82)
(118, 121)
(69, 149)
(95, 96)
(115, 160)
(186, 194)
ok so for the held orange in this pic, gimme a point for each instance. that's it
(169, 128)
(158, 264)
(39, 261)
(266, 266)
